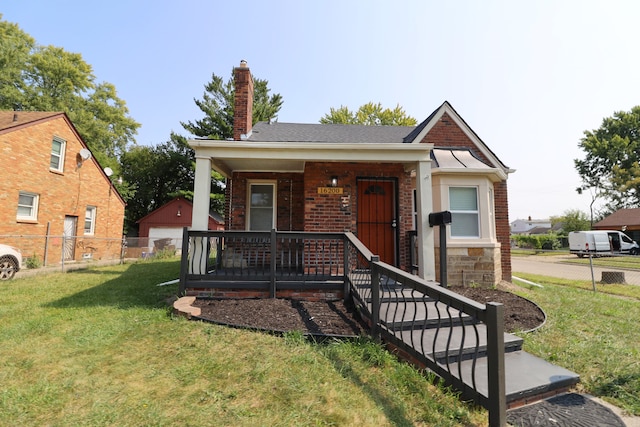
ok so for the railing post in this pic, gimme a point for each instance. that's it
(184, 261)
(274, 249)
(495, 354)
(375, 298)
(346, 290)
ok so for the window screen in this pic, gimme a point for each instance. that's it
(463, 203)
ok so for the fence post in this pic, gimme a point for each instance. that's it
(375, 298)
(274, 249)
(496, 371)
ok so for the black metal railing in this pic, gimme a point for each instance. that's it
(457, 338)
(271, 260)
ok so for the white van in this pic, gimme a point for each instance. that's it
(601, 242)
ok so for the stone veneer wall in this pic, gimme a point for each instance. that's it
(468, 266)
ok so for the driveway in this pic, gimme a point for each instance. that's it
(553, 266)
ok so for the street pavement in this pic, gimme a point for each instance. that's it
(553, 266)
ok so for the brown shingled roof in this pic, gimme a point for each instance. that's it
(616, 220)
(15, 119)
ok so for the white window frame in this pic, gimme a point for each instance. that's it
(60, 156)
(466, 212)
(250, 184)
(33, 206)
(90, 218)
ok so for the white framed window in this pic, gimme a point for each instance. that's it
(58, 146)
(465, 215)
(90, 220)
(27, 206)
(261, 206)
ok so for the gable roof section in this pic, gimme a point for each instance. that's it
(620, 218)
(11, 121)
(14, 120)
(422, 130)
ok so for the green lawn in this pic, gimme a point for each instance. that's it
(595, 334)
(99, 347)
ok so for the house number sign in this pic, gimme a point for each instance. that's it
(330, 190)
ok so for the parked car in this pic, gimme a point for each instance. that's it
(10, 261)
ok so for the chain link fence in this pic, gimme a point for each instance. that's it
(65, 251)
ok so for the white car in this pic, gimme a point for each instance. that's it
(10, 261)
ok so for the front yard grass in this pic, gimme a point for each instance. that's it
(595, 334)
(100, 347)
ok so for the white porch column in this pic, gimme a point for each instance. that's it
(201, 194)
(424, 196)
(198, 248)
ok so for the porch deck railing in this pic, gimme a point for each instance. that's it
(270, 260)
(462, 341)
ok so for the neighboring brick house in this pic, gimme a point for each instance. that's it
(165, 225)
(57, 203)
(379, 182)
(626, 220)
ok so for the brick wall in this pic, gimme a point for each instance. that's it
(27, 150)
(301, 208)
(290, 199)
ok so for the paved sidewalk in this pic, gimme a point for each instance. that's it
(567, 410)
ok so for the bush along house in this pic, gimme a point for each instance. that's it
(378, 182)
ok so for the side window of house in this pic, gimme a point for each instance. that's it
(465, 217)
(261, 206)
(58, 146)
(27, 206)
(90, 220)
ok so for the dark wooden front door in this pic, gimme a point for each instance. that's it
(377, 222)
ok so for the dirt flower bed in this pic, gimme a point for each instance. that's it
(335, 318)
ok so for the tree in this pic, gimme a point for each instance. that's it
(572, 220)
(218, 106)
(159, 174)
(610, 169)
(48, 78)
(369, 114)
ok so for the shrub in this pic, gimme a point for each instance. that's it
(33, 262)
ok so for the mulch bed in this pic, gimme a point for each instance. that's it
(335, 318)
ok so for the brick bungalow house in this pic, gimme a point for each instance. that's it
(379, 182)
(58, 204)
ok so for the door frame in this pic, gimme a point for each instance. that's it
(394, 199)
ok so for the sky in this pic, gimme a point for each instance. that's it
(529, 77)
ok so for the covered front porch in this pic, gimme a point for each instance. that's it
(380, 192)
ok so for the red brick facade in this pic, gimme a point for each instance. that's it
(298, 193)
(26, 149)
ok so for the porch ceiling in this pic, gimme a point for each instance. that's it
(230, 156)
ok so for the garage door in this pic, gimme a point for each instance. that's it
(173, 233)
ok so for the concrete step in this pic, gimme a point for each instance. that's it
(453, 343)
(420, 315)
(528, 377)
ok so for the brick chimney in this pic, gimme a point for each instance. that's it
(243, 109)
